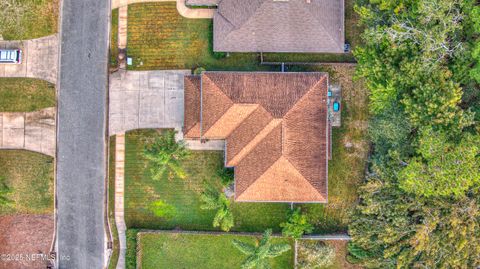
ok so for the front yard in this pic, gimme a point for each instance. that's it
(21, 20)
(25, 94)
(184, 194)
(29, 176)
(200, 251)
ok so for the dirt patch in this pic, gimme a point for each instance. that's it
(23, 238)
(341, 254)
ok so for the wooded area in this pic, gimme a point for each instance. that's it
(420, 202)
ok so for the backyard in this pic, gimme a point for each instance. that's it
(200, 251)
(160, 38)
(28, 19)
(25, 94)
(183, 195)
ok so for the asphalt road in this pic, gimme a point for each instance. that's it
(81, 130)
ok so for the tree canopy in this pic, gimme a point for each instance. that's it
(165, 155)
(214, 200)
(419, 204)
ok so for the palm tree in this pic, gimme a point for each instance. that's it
(4, 191)
(260, 253)
(165, 156)
(213, 200)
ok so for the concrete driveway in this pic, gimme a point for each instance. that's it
(146, 99)
(39, 59)
(33, 131)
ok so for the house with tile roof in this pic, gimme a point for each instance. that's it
(315, 26)
(276, 128)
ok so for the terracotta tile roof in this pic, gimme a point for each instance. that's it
(240, 154)
(279, 26)
(192, 107)
(245, 134)
(275, 126)
(281, 182)
(229, 121)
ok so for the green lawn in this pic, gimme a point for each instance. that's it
(184, 194)
(159, 38)
(30, 177)
(28, 19)
(166, 250)
(114, 39)
(111, 204)
(25, 94)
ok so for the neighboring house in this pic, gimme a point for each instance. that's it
(279, 26)
(275, 126)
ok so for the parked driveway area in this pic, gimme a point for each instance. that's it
(33, 131)
(39, 59)
(146, 99)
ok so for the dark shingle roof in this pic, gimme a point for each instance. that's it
(279, 26)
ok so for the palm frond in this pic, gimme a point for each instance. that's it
(177, 169)
(264, 264)
(245, 248)
(250, 263)
(209, 200)
(276, 250)
(227, 222)
(266, 237)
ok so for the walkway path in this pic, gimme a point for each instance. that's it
(39, 58)
(122, 26)
(194, 13)
(119, 202)
(33, 131)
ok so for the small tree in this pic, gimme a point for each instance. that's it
(4, 191)
(165, 156)
(296, 225)
(314, 255)
(214, 200)
(260, 253)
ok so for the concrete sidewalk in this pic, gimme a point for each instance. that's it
(39, 59)
(119, 198)
(34, 131)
